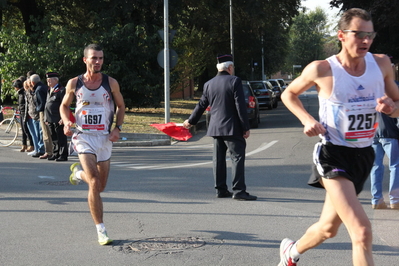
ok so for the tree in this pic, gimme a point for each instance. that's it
(49, 35)
(307, 38)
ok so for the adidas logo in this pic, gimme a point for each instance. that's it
(360, 88)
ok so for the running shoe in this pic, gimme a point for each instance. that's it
(73, 178)
(103, 238)
(285, 247)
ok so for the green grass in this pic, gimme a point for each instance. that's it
(138, 120)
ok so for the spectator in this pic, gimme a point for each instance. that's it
(41, 91)
(385, 142)
(53, 118)
(32, 118)
(19, 86)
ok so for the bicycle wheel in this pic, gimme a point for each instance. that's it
(8, 132)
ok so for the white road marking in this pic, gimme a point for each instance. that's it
(262, 147)
(46, 177)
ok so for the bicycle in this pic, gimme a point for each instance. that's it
(9, 127)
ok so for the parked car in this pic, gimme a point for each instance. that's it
(283, 84)
(276, 87)
(264, 93)
(252, 106)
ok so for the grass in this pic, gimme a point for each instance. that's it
(138, 120)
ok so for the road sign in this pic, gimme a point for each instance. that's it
(172, 58)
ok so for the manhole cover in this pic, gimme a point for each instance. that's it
(168, 244)
(57, 183)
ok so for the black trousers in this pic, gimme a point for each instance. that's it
(25, 131)
(60, 141)
(236, 146)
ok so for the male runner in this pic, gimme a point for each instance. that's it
(351, 87)
(96, 96)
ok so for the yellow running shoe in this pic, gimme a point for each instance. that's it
(73, 178)
(103, 238)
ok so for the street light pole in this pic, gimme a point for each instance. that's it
(166, 61)
(231, 29)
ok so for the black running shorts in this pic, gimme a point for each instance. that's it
(331, 161)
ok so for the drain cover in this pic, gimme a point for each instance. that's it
(168, 244)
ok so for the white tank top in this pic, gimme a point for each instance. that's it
(94, 108)
(349, 115)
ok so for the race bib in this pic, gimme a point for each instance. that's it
(93, 119)
(360, 121)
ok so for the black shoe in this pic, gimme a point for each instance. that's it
(224, 194)
(61, 159)
(37, 154)
(244, 196)
(52, 158)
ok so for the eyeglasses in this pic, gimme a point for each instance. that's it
(362, 34)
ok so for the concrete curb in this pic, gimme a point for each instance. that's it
(142, 139)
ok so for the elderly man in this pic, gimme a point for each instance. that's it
(229, 127)
(53, 118)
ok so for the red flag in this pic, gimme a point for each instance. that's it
(176, 131)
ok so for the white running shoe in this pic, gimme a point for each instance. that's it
(103, 238)
(31, 153)
(73, 178)
(285, 247)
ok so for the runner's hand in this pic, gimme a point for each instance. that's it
(313, 128)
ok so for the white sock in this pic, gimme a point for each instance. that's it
(294, 254)
(78, 174)
(100, 227)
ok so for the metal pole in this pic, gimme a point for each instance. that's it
(263, 62)
(166, 61)
(231, 30)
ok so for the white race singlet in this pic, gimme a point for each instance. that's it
(349, 114)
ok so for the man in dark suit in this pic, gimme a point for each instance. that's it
(229, 127)
(52, 117)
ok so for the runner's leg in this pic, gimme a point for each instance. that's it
(342, 194)
(326, 227)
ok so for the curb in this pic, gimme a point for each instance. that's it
(143, 140)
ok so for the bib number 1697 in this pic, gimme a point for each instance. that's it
(92, 119)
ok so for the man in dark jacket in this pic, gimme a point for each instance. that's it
(53, 118)
(229, 127)
(41, 91)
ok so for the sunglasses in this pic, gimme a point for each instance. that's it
(363, 34)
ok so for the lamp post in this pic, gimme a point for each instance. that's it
(166, 61)
(231, 29)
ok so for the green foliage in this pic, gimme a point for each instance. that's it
(50, 36)
(308, 35)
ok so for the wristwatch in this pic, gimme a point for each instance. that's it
(119, 127)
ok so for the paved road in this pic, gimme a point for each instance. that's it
(160, 206)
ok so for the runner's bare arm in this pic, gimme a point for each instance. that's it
(388, 104)
(120, 107)
(65, 104)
